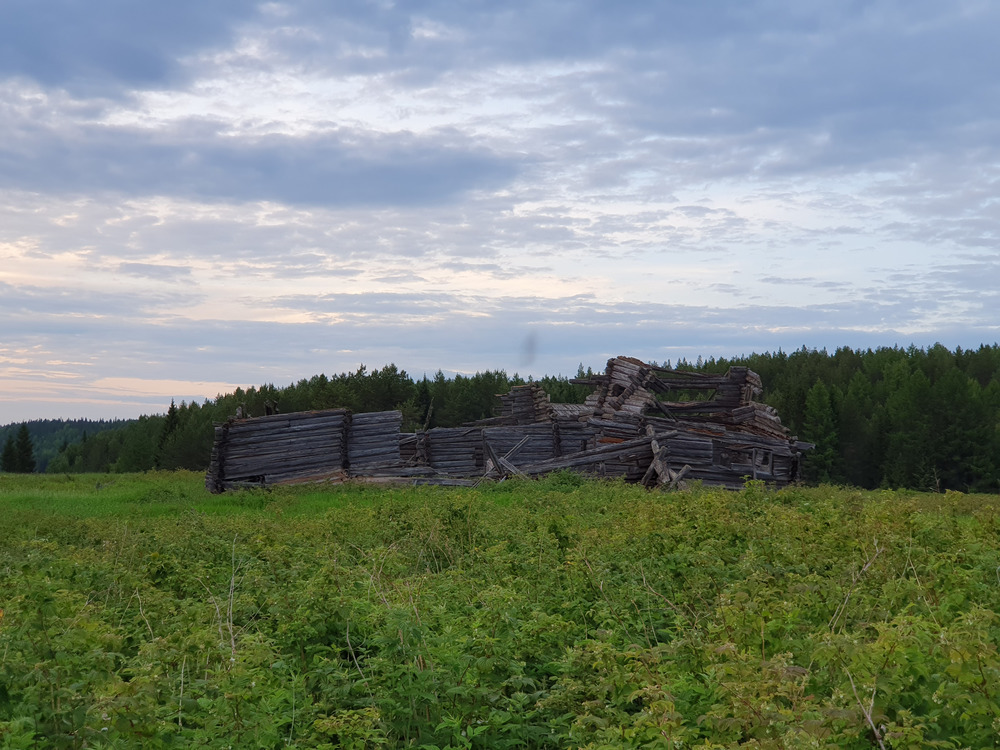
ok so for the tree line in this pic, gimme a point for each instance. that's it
(182, 438)
(915, 418)
(46, 438)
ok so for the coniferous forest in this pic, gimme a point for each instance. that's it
(926, 419)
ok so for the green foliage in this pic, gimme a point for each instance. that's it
(561, 391)
(142, 611)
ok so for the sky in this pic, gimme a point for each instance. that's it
(197, 196)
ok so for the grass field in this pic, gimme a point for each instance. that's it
(141, 611)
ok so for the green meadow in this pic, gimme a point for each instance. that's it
(140, 611)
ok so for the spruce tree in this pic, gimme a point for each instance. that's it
(8, 461)
(819, 427)
(170, 425)
(859, 450)
(25, 451)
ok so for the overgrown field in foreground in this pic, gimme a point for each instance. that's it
(140, 611)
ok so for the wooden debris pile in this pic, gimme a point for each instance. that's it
(642, 422)
(632, 386)
(712, 430)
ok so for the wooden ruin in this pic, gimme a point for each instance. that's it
(644, 423)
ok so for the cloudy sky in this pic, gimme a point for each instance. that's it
(198, 195)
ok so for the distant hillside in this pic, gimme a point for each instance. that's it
(49, 436)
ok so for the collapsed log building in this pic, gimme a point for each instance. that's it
(645, 423)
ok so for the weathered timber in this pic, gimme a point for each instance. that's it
(277, 448)
(373, 441)
(637, 447)
(642, 422)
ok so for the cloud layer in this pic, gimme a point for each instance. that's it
(221, 194)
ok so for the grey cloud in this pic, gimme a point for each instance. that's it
(807, 281)
(601, 320)
(32, 308)
(758, 87)
(338, 169)
(105, 48)
(495, 270)
(400, 277)
(682, 91)
(787, 280)
(153, 271)
(368, 303)
(972, 280)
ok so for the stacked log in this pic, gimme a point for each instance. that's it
(455, 450)
(629, 385)
(629, 458)
(573, 433)
(525, 404)
(413, 449)
(564, 413)
(737, 457)
(756, 418)
(373, 443)
(622, 388)
(615, 427)
(624, 425)
(278, 449)
(724, 458)
(738, 385)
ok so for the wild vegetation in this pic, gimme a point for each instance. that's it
(138, 610)
(925, 419)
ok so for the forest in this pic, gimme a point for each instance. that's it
(926, 419)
